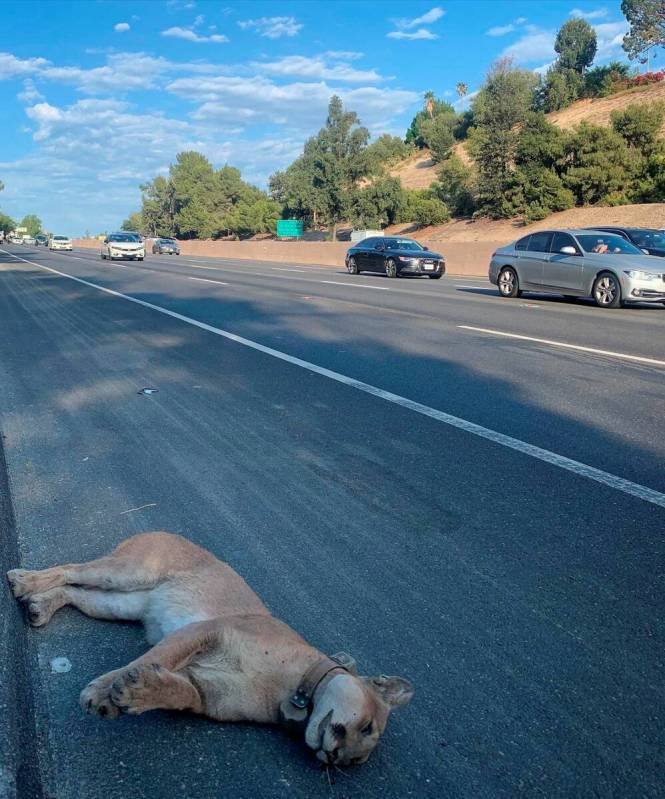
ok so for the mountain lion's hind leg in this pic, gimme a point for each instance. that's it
(111, 605)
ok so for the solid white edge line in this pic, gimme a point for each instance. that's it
(568, 464)
(563, 345)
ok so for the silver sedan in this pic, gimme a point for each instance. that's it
(579, 263)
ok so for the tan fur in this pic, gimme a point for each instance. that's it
(217, 652)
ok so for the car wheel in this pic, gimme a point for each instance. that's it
(352, 267)
(102, 256)
(607, 291)
(391, 268)
(508, 283)
(434, 277)
(140, 259)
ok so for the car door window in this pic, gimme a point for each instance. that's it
(540, 242)
(560, 240)
(522, 243)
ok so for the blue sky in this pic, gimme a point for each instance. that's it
(98, 96)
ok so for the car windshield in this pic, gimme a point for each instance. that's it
(168, 241)
(405, 244)
(60, 238)
(123, 237)
(649, 238)
(606, 244)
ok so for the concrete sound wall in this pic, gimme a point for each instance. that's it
(462, 258)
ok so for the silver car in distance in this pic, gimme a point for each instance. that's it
(579, 263)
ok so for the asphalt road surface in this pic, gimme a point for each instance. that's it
(397, 476)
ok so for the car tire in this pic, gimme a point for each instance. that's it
(607, 291)
(508, 282)
(352, 267)
(434, 277)
(139, 259)
(102, 256)
(391, 268)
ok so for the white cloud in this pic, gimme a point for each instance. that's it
(426, 19)
(421, 33)
(609, 36)
(30, 93)
(122, 27)
(520, 20)
(191, 36)
(300, 104)
(535, 45)
(272, 27)
(598, 13)
(500, 30)
(316, 67)
(10, 66)
(198, 20)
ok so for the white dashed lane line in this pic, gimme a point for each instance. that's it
(565, 345)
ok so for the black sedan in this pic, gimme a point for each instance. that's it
(649, 240)
(395, 257)
(165, 246)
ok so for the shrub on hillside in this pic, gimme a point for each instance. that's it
(456, 186)
(598, 166)
(423, 208)
(648, 77)
(386, 151)
(639, 125)
(605, 80)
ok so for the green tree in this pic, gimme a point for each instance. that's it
(193, 180)
(462, 90)
(384, 152)
(7, 224)
(500, 106)
(433, 108)
(598, 166)
(32, 223)
(377, 204)
(133, 222)
(639, 125)
(437, 133)
(456, 186)
(602, 81)
(576, 45)
(338, 160)
(158, 207)
(647, 27)
(295, 191)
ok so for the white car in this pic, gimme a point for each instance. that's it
(60, 243)
(123, 245)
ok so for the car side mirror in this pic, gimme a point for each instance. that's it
(380, 247)
(568, 250)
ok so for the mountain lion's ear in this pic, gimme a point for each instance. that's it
(395, 691)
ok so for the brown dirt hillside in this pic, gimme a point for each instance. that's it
(418, 171)
(505, 230)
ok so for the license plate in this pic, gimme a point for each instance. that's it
(429, 267)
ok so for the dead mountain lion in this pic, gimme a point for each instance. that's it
(216, 648)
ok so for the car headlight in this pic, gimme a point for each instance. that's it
(406, 260)
(637, 274)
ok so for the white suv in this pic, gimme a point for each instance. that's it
(60, 243)
(123, 245)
